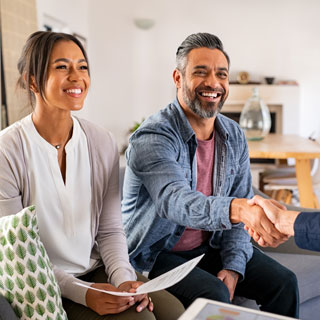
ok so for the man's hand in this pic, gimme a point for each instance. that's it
(255, 218)
(230, 279)
(131, 286)
(103, 303)
(282, 219)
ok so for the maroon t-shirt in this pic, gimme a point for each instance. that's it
(192, 238)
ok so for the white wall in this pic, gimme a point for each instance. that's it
(131, 68)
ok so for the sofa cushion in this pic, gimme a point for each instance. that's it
(306, 268)
(27, 280)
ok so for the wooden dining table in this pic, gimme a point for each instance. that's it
(284, 146)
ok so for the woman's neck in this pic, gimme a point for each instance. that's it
(54, 127)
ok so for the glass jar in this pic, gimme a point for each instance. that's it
(255, 117)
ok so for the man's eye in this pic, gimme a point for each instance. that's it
(61, 67)
(200, 73)
(223, 75)
(84, 68)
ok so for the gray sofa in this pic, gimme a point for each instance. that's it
(305, 264)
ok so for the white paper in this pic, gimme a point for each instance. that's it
(164, 281)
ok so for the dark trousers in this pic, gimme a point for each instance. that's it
(166, 306)
(270, 284)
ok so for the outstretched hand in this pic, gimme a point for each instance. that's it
(283, 220)
(254, 217)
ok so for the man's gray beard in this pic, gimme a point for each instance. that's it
(196, 107)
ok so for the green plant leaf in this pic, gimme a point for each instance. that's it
(41, 263)
(8, 269)
(32, 249)
(30, 297)
(32, 234)
(12, 237)
(25, 219)
(15, 221)
(9, 284)
(40, 309)
(31, 265)
(51, 307)
(21, 251)
(32, 208)
(3, 241)
(1, 256)
(18, 311)
(41, 294)
(29, 311)
(1, 271)
(20, 283)
(20, 268)
(42, 250)
(9, 254)
(51, 291)
(19, 297)
(31, 281)
(1, 284)
(42, 278)
(9, 296)
(22, 235)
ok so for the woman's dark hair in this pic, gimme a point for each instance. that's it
(34, 59)
(197, 40)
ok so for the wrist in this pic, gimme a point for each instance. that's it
(288, 219)
(236, 210)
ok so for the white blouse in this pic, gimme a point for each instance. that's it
(63, 209)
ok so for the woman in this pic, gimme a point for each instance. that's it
(68, 168)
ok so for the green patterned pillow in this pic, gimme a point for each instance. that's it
(26, 276)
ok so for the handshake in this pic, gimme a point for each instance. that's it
(266, 220)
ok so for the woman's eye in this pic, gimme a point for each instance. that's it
(61, 67)
(84, 68)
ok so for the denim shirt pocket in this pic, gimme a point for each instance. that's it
(231, 174)
(187, 174)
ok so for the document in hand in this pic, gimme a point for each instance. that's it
(164, 281)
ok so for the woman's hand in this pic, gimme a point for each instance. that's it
(103, 303)
(131, 286)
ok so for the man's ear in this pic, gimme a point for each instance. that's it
(177, 78)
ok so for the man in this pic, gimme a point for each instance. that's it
(304, 226)
(186, 165)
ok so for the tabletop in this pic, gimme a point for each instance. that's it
(283, 146)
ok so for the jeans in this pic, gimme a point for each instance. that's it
(270, 284)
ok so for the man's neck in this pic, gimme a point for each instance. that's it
(203, 128)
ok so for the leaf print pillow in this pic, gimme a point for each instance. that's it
(27, 280)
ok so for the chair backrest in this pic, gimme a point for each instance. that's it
(315, 171)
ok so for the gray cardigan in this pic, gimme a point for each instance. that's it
(108, 238)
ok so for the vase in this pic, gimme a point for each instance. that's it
(255, 117)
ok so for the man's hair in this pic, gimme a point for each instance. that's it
(197, 40)
(34, 60)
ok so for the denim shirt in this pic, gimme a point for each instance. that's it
(160, 197)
